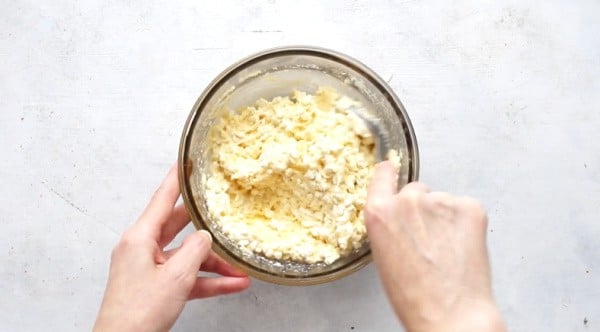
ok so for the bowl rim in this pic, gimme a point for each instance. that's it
(185, 165)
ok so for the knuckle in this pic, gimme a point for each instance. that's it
(441, 196)
(473, 209)
(474, 206)
(409, 197)
(376, 206)
(181, 276)
(198, 242)
(376, 203)
(130, 239)
(189, 279)
(124, 243)
(374, 210)
(418, 187)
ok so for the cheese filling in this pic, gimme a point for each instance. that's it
(288, 177)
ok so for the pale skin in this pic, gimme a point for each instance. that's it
(148, 286)
(429, 249)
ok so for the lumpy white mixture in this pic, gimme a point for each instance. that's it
(288, 177)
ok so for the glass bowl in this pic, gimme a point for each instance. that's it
(277, 72)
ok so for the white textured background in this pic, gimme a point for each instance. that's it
(504, 97)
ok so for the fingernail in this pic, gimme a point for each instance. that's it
(207, 235)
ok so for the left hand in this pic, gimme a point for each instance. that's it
(148, 286)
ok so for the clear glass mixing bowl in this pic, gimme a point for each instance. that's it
(277, 72)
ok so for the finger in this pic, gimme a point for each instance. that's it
(216, 264)
(384, 181)
(208, 287)
(192, 253)
(472, 221)
(409, 211)
(439, 216)
(161, 205)
(473, 217)
(212, 264)
(415, 188)
(178, 220)
(382, 187)
(133, 247)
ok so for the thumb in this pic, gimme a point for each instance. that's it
(192, 253)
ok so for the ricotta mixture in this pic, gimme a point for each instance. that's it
(288, 177)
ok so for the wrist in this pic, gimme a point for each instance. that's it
(481, 317)
(113, 319)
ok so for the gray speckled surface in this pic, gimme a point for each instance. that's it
(503, 95)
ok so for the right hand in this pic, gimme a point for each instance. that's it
(430, 251)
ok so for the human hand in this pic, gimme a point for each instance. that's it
(430, 251)
(147, 286)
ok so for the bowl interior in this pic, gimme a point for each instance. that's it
(278, 74)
